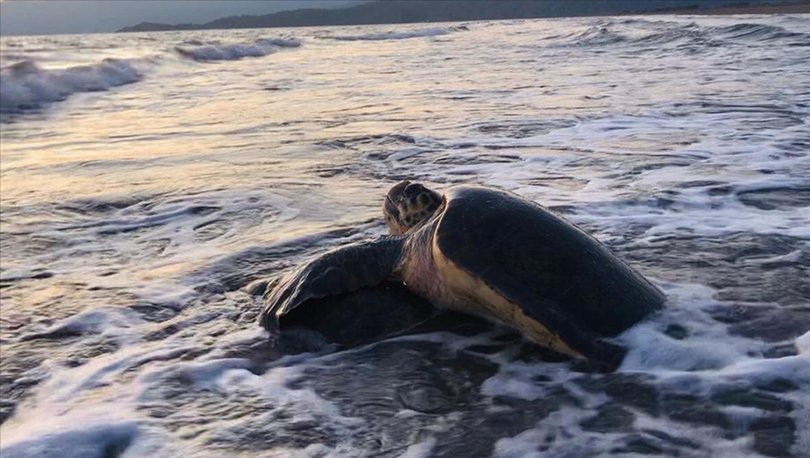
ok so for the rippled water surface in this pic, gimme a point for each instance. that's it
(147, 179)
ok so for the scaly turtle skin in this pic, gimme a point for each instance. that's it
(489, 253)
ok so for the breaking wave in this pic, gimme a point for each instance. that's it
(391, 35)
(614, 33)
(748, 31)
(259, 48)
(25, 85)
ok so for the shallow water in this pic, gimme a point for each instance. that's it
(148, 178)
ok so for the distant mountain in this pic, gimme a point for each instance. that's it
(409, 11)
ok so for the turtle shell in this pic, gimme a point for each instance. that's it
(555, 272)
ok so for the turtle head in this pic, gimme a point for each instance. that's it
(408, 205)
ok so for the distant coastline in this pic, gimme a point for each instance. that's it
(796, 8)
(420, 11)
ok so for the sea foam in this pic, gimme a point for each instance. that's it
(259, 48)
(96, 440)
(25, 85)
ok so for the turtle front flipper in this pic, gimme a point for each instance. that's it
(339, 271)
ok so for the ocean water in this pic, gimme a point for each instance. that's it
(148, 179)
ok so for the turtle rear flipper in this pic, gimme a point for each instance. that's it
(602, 355)
(339, 271)
(605, 357)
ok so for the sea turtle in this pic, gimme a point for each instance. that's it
(489, 253)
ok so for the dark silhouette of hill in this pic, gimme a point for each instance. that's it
(410, 11)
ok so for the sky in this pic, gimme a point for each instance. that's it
(41, 17)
